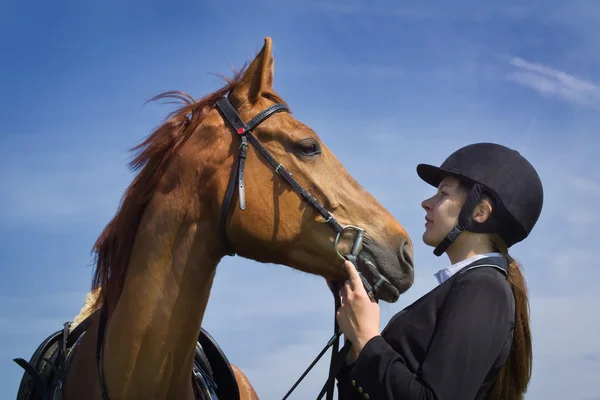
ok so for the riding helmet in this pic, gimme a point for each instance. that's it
(505, 176)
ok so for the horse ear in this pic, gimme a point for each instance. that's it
(258, 77)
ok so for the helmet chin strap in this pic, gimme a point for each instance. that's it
(465, 221)
(448, 240)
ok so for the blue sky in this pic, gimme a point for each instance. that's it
(386, 85)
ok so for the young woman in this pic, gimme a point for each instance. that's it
(469, 338)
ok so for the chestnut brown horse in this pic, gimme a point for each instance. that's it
(157, 258)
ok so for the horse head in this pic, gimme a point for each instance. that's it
(272, 221)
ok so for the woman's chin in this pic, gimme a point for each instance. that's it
(429, 239)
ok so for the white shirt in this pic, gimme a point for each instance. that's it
(444, 274)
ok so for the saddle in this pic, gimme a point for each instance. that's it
(44, 373)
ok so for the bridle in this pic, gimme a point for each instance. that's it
(244, 131)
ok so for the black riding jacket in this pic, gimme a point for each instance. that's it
(448, 345)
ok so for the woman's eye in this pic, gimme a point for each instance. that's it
(309, 147)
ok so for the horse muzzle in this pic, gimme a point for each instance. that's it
(390, 272)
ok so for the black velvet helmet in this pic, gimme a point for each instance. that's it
(505, 176)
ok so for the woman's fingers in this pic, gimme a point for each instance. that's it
(354, 280)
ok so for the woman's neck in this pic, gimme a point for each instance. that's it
(468, 244)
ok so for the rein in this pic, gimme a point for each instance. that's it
(244, 131)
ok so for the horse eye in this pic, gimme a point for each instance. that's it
(309, 147)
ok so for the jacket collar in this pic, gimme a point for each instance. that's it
(495, 259)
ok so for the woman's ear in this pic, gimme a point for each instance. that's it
(483, 211)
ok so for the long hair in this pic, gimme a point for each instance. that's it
(515, 374)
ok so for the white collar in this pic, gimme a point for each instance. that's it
(444, 274)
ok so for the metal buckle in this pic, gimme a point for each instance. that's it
(357, 246)
(278, 167)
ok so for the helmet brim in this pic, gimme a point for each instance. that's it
(434, 175)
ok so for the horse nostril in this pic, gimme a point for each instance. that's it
(407, 254)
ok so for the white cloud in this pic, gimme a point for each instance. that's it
(554, 83)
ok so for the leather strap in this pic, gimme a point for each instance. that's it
(245, 132)
(242, 165)
(39, 385)
(448, 240)
(225, 209)
(329, 385)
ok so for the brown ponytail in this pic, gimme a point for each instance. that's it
(513, 378)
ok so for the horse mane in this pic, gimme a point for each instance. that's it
(114, 246)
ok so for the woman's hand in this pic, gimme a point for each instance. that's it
(358, 316)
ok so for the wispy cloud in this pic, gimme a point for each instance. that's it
(554, 83)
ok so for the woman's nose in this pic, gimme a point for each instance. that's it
(425, 204)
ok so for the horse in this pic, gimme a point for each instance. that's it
(139, 334)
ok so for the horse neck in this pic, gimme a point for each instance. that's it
(152, 332)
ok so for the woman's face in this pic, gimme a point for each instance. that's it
(442, 210)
